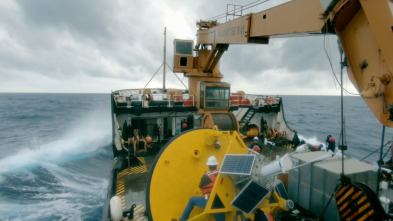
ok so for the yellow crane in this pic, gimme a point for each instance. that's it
(365, 30)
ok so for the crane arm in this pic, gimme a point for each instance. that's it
(298, 17)
(364, 28)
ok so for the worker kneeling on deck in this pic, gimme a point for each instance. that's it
(271, 133)
(207, 183)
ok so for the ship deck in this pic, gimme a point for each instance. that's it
(137, 101)
(132, 182)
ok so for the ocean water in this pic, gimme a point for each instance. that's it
(316, 117)
(55, 156)
(55, 149)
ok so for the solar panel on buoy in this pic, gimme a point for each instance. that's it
(237, 164)
(282, 192)
(250, 197)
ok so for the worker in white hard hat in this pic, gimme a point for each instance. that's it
(255, 145)
(207, 183)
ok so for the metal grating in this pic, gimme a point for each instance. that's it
(238, 164)
(250, 197)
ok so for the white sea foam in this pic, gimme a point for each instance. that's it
(69, 197)
(56, 178)
(78, 183)
(60, 209)
(311, 140)
(88, 134)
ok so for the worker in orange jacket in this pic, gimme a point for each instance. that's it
(207, 183)
(255, 145)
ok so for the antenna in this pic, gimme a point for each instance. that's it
(163, 64)
(163, 81)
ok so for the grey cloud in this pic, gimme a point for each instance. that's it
(78, 16)
(70, 38)
(123, 41)
(305, 53)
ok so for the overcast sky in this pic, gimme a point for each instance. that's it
(98, 46)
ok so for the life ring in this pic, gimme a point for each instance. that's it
(270, 101)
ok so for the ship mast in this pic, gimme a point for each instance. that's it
(164, 64)
(163, 82)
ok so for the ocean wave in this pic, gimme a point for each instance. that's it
(53, 192)
(87, 135)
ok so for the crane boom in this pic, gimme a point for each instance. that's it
(364, 28)
(293, 18)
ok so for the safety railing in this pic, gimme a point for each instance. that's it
(133, 98)
(248, 100)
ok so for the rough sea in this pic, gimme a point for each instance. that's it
(55, 149)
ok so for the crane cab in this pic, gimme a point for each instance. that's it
(214, 96)
(183, 56)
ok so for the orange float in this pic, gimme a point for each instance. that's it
(270, 101)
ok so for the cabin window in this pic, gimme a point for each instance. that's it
(202, 102)
(217, 97)
(183, 61)
(184, 48)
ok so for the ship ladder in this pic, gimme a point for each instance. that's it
(247, 117)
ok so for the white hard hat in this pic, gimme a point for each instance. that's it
(212, 161)
(256, 138)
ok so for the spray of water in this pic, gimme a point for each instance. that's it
(88, 134)
(311, 140)
(56, 180)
